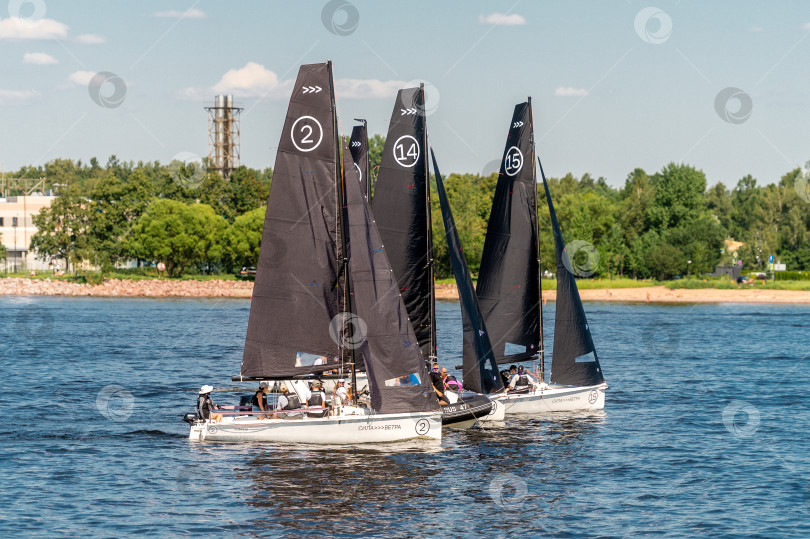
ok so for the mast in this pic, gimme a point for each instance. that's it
(340, 199)
(368, 168)
(433, 354)
(537, 233)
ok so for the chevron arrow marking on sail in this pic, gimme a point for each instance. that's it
(406, 112)
(312, 89)
(517, 124)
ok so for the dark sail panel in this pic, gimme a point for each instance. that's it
(508, 281)
(399, 381)
(575, 362)
(400, 208)
(297, 292)
(480, 369)
(358, 145)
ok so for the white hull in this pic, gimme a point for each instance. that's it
(546, 398)
(354, 426)
(498, 410)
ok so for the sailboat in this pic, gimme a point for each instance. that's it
(325, 298)
(480, 368)
(358, 145)
(401, 208)
(510, 294)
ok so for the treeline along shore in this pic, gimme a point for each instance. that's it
(171, 288)
(657, 226)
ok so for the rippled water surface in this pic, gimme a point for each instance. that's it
(705, 432)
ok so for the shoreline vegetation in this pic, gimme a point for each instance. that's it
(622, 290)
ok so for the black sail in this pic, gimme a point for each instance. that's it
(574, 362)
(400, 207)
(358, 145)
(480, 369)
(297, 291)
(399, 380)
(508, 281)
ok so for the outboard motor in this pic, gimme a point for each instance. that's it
(246, 401)
(190, 418)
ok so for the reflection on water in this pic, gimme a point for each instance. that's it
(494, 469)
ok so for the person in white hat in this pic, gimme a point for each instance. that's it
(205, 405)
(341, 396)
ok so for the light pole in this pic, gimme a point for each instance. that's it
(688, 268)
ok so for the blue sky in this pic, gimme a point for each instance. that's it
(615, 85)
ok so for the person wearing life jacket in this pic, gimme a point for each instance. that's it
(287, 401)
(205, 405)
(449, 381)
(520, 377)
(316, 399)
(260, 399)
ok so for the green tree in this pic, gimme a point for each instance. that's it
(679, 194)
(178, 234)
(243, 238)
(62, 230)
(115, 206)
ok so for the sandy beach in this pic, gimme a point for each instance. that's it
(161, 288)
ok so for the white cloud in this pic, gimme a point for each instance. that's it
(759, 28)
(255, 80)
(82, 78)
(367, 88)
(90, 39)
(174, 14)
(500, 19)
(806, 26)
(568, 91)
(39, 58)
(16, 96)
(252, 80)
(16, 28)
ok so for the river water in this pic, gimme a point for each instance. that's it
(704, 433)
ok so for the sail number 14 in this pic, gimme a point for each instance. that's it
(406, 151)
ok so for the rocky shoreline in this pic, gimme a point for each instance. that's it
(168, 288)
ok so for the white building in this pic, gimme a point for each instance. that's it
(17, 228)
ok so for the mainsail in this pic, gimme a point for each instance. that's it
(399, 380)
(358, 145)
(508, 282)
(574, 362)
(480, 369)
(298, 289)
(401, 199)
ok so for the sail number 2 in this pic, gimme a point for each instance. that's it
(306, 133)
(513, 161)
(406, 151)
